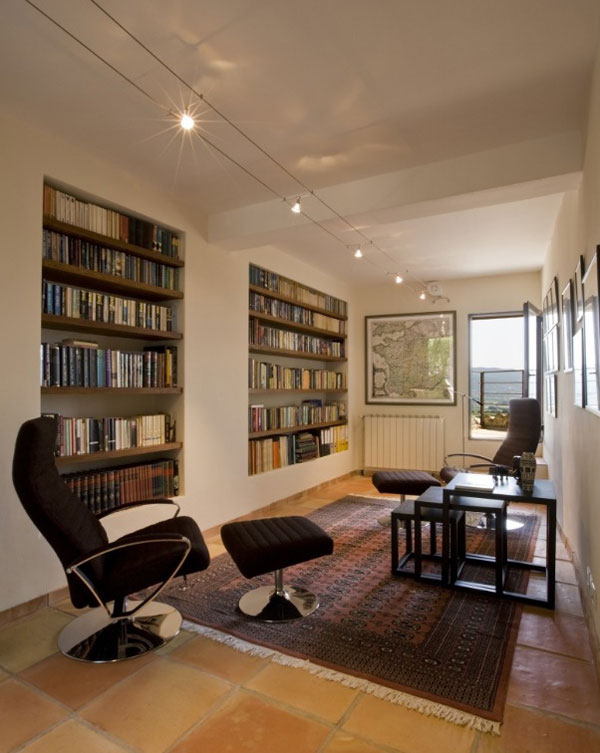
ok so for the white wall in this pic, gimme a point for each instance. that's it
(572, 443)
(477, 295)
(215, 314)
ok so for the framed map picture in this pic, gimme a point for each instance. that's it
(591, 337)
(567, 325)
(411, 359)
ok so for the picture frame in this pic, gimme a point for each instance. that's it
(566, 307)
(551, 329)
(550, 394)
(410, 359)
(591, 336)
(578, 380)
(577, 290)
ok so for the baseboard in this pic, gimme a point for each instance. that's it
(27, 608)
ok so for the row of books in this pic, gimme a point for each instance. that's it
(262, 278)
(110, 488)
(83, 254)
(298, 314)
(270, 337)
(82, 436)
(263, 375)
(78, 303)
(84, 214)
(68, 364)
(278, 452)
(261, 418)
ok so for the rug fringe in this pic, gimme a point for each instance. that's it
(422, 705)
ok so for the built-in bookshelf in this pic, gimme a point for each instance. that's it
(111, 284)
(297, 408)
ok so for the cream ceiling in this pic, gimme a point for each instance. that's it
(340, 92)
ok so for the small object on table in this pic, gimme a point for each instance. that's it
(527, 469)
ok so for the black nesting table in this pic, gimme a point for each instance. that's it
(543, 494)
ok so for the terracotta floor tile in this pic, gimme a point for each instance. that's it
(30, 640)
(248, 724)
(150, 710)
(568, 599)
(526, 731)
(75, 683)
(218, 659)
(66, 606)
(342, 742)
(298, 688)
(182, 637)
(73, 737)
(555, 631)
(24, 714)
(551, 682)
(565, 572)
(390, 724)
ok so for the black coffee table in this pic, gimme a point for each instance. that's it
(543, 494)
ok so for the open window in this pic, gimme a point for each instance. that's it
(496, 371)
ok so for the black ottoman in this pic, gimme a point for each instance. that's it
(269, 545)
(403, 482)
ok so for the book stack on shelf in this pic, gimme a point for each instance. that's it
(110, 488)
(81, 363)
(288, 320)
(106, 272)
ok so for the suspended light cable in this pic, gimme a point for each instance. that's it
(187, 122)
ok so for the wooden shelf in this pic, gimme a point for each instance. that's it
(295, 354)
(103, 240)
(277, 391)
(294, 429)
(115, 454)
(52, 321)
(294, 302)
(296, 325)
(111, 390)
(58, 272)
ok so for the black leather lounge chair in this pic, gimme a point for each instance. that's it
(101, 574)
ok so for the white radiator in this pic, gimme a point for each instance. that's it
(414, 442)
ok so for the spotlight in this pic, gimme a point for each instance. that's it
(398, 279)
(187, 122)
(358, 253)
(422, 295)
(296, 208)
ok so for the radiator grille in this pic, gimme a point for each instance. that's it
(415, 442)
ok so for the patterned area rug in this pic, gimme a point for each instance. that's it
(442, 652)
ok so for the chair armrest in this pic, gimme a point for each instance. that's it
(140, 503)
(150, 538)
(133, 540)
(467, 455)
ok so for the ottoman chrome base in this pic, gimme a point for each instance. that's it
(279, 603)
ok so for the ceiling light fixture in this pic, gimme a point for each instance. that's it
(358, 253)
(422, 295)
(187, 122)
(398, 279)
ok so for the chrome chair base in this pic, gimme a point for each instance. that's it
(98, 638)
(270, 605)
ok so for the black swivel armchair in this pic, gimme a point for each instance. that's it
(102, 574)
(522, 435)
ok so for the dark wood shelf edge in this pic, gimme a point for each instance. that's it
(111, 390)
(296, 325)
(56, 271)
(295, 354)
(294, 429)
(50, 223)
(115, 454)
(53, 321)
(295, 302)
